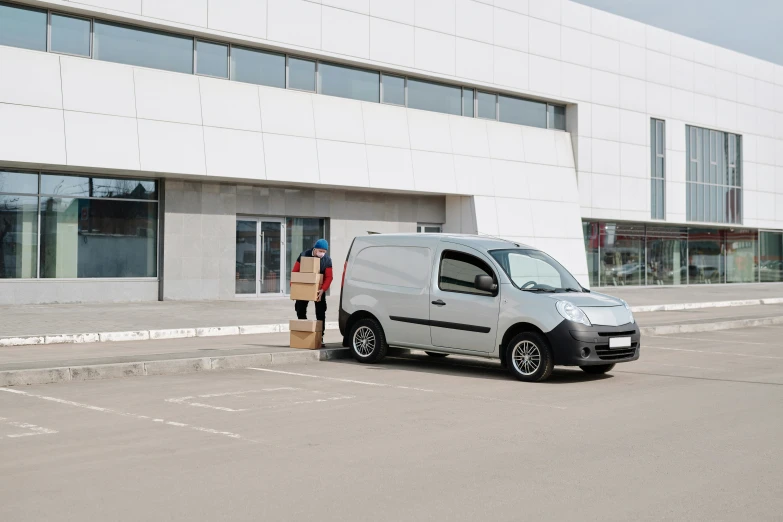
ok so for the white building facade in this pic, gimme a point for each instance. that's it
(190, 149)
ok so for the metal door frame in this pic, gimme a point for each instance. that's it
(260, 256)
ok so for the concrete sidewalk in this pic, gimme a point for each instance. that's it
(661, 295)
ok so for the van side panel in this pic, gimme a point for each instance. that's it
(391, 281)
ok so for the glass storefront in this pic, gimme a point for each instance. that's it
(58, 226)
(636, 254)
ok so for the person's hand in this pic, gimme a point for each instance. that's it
(320, 294)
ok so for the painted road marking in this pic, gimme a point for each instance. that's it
(662, 337)
(189, 401)
(33, 429)
(129, 415)
(710, 352)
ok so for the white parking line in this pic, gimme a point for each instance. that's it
(662, 337)
(130, 415)
(188, 400)
(34, 430)
(710, 352)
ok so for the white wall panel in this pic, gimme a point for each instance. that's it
(390, 168)
(514, 217)
(765, 150)
(32, 134)
(606, 88)
(749, 176)
(605, 54)
(434, 172)
(519, 6)
(765, 95)
(342, 164)
(606, 123)
(658, 39)
(511, 29)
(586, 193)
(511, 68)
(486, 215)
(726, 85)
(429, 131)
(635, 194)
(765, 206)
(633, 94)
(746, 90)
(548, 183)
(676, 160)
(539, 146)
(338, 119)
(585, 119)
(764, 70)
(704, 53)
(659, 100)
(565, 152)
(99, 87)
(437, 15)
(231, 105)
(94, 140)
(726, 59)
(191, 12)
(606, 157)
(30, 78)
(634, 127)
(704, 79)
(633, 61)
(682, 74)
(171, 147)
(473, 175)
(575, 46)
(682, 104)
(246, 17)
(606, 191)
(358, 6)
(474, 60)
(675, 135)
(658, 68)
(765, 178)
(469, 136)
(234, 153)
(545, 10)
(474, 20)
(295, 22)
(167, 96)
(704, 110)
(675, 201)
(345, 32)
(634, 160)
(584, 151)
(575, 15)
(779, 98)
(402, 11)
(545, 75)
(290, 158)
(287, 112)
(128, 6)
(576, 82)
(385, 125)
(505, 141)
(392, 42)
(435, 51)
(544, 38)
(509, 179)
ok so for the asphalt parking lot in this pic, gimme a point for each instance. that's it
(692, 431)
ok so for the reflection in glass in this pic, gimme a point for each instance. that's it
(18, 182)
(257, 67)
(270, 257)
(18, 236)
(347, 82)
(301, 74)
(98, 238)
(622, 255)
(487, 106)
(22, 27)
(667, 252)
(590, 232)
(212, 59)
(133, 46)
(301, 235)
(434, 97)
(741, 250)
(557, 117)
(771, 257)
(393, 90)
(70, 35)
(246, 247)
(522, 112)
(114, 188)
(468, 97)
(705, 256)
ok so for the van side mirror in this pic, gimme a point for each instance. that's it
(485, 283)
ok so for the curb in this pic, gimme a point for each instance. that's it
(146, 335)
(165, 367)
(709, 327)
(714, 304)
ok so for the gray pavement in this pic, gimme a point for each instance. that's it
(656, 295)
(689, 432)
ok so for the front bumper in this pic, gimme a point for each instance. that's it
(569, 340)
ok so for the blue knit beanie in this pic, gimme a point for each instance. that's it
(321, 243)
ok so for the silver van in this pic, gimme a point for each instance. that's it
(473, 295)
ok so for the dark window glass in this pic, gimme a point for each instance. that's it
(348, 82)
(393, 90)
(257, 67)
(301, 74)
(487, 106)
(212, 59)
(522, 112)
(22, 27)
(70, 35)
(657, 171)
(57, 185)
(458, 273)
(84, 238)
(667, 253)
(110, 188)
(771, 257)
(132, 46)
(18, 182)
(714, 176)
(706, 262)
(557, 117)
(434, 97)
(18, 236)
(591, 237)
(468, 97)
(741, 251)
(622, 255)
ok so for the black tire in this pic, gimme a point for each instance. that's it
(375, 347)
(437, 355)
(597, 369)
(539, 362)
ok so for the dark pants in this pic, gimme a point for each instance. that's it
(320, 309)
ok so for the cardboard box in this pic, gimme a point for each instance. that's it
(306, 277)
(310, 265)
(306, 340)
(305, 325)
(304, 291)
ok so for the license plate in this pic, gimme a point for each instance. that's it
(619, 342)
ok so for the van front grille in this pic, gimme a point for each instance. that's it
(616, 334)
(615, 354)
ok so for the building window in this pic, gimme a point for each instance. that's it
(557, 117)
(22, 27)
(393, 90)
(714, 176)
(468, 102)
(428, 229)
(435, 97)
(301, 74)
(70, 35)
(211, 59)
(132, 46)
(258, 67)
(89, 227)
(487, 106)
(523, 112)
(348, 82)
(658, 170)
(771, 257)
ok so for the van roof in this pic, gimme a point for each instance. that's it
(483, 242)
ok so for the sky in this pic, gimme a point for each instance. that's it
(753, 27)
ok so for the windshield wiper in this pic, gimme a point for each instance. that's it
(571, 290)
(537, 290)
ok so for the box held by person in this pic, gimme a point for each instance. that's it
(310, 265)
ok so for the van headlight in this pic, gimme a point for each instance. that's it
(630, 313)
(573, 313)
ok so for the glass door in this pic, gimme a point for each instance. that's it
(260, 256)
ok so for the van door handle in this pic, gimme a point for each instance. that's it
(439, 303)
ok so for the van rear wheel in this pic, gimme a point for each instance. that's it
(529, 357)
(368, 343)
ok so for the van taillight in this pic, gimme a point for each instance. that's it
(345, 268)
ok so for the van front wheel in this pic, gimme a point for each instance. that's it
(529, 357)
(368, 343)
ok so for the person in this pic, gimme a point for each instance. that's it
(319, 250)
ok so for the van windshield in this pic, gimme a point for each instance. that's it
(534, 271)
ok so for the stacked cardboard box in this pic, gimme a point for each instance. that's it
(306, 334)
(306, 282)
